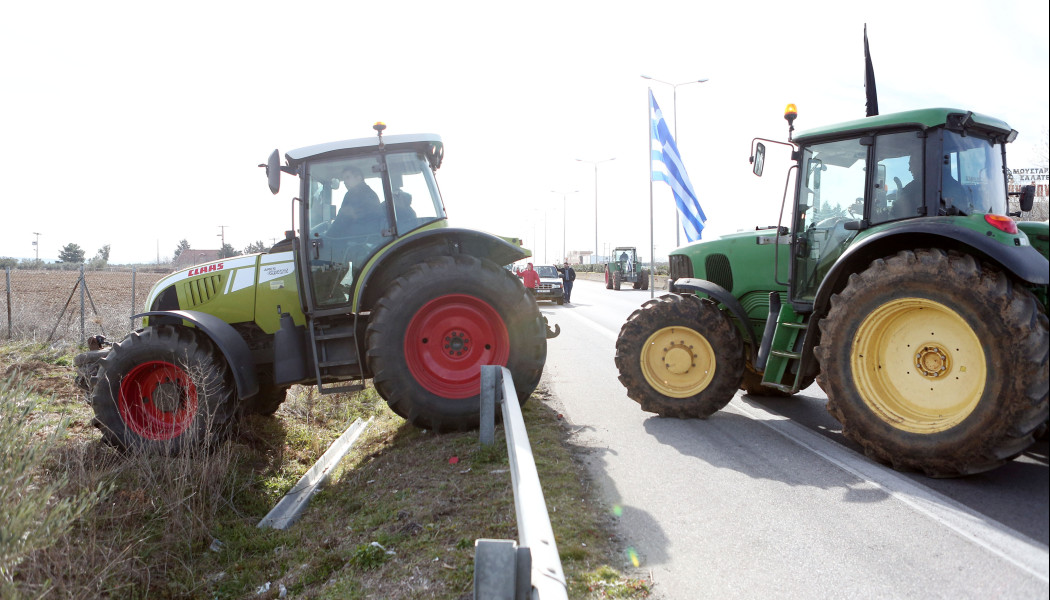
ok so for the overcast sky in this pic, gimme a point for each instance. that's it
(140, 124)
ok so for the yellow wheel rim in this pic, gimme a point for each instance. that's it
(918, 365)
(678, 362)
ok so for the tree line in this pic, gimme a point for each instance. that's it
(73, 254)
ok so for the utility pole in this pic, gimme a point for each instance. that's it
(222, 234)
(36, 244)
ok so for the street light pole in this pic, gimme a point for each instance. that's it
(674, 110)
(564, 218)
(596, 163)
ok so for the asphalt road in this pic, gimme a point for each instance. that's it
(766, 499)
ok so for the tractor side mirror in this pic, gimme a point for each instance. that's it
(273, 172)
(759, 159)
(1027, 199)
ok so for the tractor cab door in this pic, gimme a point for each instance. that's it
(830, 194)
(348, 222)
(837, 188)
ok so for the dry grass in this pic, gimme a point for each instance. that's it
(185, 526)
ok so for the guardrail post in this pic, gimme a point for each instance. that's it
(487, 423)
(495, 566)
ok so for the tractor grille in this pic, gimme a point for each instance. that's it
(719, 271)
(680, 267)
(200, 290)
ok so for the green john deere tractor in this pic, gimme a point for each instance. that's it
(624, 268)
(371, 283)
(902, 286)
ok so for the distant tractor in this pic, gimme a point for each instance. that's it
(902, 286)
(624, 268)
(371, 283)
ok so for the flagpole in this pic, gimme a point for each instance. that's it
(652, 240)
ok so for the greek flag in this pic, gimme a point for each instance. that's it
(667, 166)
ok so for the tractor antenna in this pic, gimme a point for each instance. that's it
(379, 127)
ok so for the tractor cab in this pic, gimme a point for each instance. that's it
(877, 173)
(359, 196)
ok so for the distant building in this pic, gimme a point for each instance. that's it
(191, 257)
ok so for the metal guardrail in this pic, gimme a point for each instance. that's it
(530, 568)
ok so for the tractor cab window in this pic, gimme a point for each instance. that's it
(415, 193)
(897, 187)
(972, 178)
(348, 222)
(831, 193)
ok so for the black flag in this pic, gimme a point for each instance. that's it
(872, 102)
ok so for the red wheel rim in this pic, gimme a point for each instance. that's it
(158, 400)
(449, 339)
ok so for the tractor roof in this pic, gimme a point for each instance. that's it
(923, 118)
(301, 154)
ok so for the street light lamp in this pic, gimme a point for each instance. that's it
(595, 163)
(564, 218)
(674, 109)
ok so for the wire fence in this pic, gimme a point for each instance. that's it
(50, 306)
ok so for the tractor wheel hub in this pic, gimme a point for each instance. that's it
(933, 361)
(166, 397)
(678, 359)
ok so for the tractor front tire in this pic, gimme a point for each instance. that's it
(163, 389)
(616, 280)
(934, 362)
(680, 356)
(643, 278)
(437, 325)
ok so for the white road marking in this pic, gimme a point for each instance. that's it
(599, 328)
(1010, 545)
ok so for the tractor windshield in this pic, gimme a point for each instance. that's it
(972, 179)
(415, 192)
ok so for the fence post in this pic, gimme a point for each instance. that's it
(8, 271)
(83, 284)
(133, 298)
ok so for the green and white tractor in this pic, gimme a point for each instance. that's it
(902, 287)
(624, 268)
(370, 283)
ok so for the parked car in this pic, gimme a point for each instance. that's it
(550, 284)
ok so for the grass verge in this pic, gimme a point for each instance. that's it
(398, 519)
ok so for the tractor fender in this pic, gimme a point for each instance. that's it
(1022, 262)
(721, 295)
(233, 347)
(419, 246)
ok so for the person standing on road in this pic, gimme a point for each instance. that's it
(530, 278)
(568, 275)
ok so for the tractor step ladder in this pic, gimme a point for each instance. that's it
(335, 349)
(784, 355)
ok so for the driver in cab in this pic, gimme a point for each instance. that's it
(360, 205)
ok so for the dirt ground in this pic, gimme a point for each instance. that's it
(46, 306)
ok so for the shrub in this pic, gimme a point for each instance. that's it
(33, 514)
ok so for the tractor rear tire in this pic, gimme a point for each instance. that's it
(679, 356)
(934, 362)
(608, 279)
(163, 389)
(437, 325)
